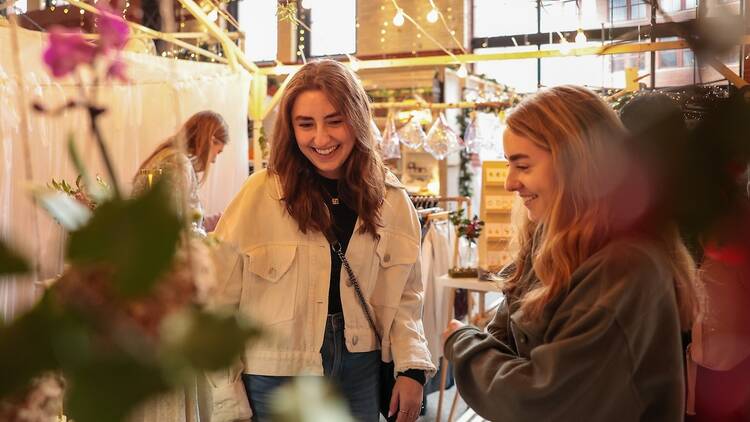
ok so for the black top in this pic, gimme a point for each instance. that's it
(344, 219)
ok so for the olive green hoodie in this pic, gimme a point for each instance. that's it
(608, 349)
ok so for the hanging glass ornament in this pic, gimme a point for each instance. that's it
(411, 134)
(442, 140)
(389, 142)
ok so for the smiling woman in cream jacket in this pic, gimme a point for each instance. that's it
(325, 176)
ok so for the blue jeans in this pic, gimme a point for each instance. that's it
(354, 374)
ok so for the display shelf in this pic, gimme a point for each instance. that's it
(495, 210)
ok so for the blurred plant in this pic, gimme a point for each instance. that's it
(41, 401)
(80, 193)
(309, 399)
(468, 229)
(123, 323)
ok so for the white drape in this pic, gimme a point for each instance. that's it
(162, 95)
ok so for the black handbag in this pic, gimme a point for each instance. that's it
(386, 378)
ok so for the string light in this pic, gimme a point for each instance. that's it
(462, 72)
(564, 45)
(398, 18)
(307, 4)
(353, 62)
(433, 15)
(580, 37)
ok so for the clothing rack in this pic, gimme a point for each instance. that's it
(425, 202)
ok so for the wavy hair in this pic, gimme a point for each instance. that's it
(362, 185)
(587, 143)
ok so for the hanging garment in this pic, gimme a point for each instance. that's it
(436, 260)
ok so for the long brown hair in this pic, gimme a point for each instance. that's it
(586, 141)
(362, 185)
(198, 133)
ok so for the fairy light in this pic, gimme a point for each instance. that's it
(398, 18)
(462, 72)
(580, 37)
(433, 15)
(564, 45)
(353, 62)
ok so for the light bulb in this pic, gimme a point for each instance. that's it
(433, 15)
(564, 47)
(462, 72)
(307, 4)
(213, 15)
(398, 19)
(580, 37)
(353, 62)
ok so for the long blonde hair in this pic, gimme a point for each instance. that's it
(586, 141)
(198, 133)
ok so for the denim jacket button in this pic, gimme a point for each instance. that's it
(355, 340)
(387, 257)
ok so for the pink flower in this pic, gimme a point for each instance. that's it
(66, 51)
(113, 30)
(116, 70)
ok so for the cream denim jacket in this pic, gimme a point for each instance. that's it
(280, 277)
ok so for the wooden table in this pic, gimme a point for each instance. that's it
(472, 285)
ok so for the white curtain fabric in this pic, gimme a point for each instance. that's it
(163, 93)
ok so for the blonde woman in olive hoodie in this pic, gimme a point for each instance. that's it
(597, 296)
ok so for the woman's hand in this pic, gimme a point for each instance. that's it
(406, 399)
(451, 328)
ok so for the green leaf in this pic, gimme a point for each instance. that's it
(97, 191)
(110, 387)
(11, 262)
(137, 238)
(77, 162)
(26, 347)
(71, 214)
(205, 341)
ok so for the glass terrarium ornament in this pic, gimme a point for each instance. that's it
(411, 134)
(442, 140)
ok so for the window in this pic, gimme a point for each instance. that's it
(20, 7)
(618, 62)
(258, 21)
(519, 74)
(569, 15)
(333, 26)
(625, 10)
(666, 59)
(638, 9)
(583, 70)
(504, 17)
(688, 58)
(677, 5)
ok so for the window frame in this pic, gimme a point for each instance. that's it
(304, 16)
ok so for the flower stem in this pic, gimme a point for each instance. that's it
(94, 114)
